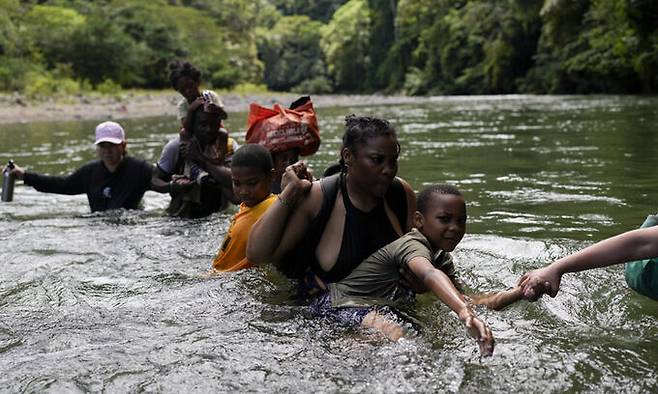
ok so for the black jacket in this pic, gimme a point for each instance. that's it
(105, 190)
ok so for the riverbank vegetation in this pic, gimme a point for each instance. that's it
(415, 47)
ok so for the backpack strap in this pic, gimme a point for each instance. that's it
(396, 198)
(329, 187)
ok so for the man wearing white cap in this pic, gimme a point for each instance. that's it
(115, 181)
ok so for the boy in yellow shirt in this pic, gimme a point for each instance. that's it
(252, 173)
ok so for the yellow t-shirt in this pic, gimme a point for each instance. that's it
(232, 256)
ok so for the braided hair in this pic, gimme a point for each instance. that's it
(358, 129)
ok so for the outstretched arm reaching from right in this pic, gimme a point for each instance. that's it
(632, 245)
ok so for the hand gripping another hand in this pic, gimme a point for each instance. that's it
(296, 182)
(536, 283)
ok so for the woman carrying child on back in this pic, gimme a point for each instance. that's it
(186, 80)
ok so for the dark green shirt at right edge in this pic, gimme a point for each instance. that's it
(642, 275)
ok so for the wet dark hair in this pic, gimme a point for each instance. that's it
(253, 156)
(358, 129)
(423, 198)
(179, 69)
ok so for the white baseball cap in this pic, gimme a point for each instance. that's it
(110, 132)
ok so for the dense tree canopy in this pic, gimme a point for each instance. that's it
(322, 46)
(292, 54)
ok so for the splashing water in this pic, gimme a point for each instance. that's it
(119, 301)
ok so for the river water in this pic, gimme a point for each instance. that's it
(118, 301)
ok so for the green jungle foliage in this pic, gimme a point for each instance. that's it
(320, 10)
(64, 47)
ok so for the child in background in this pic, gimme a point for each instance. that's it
(252, 174)
(195, 172)
(284, 157)
(186, 80)
(440, 223)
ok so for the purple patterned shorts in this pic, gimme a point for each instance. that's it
(348, 316)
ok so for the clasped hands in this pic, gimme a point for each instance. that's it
(296, 181)
(541, 281)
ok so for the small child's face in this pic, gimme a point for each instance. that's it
(188, 88)
(444, 221)
(250, 184)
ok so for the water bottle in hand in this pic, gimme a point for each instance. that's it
(8, 180)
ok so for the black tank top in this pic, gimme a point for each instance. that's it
(363, 234)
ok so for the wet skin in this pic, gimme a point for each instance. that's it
(206, 127)
(372, 166)
(444, 221)
(250, 184)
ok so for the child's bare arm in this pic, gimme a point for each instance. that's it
(441, 285)
(498, 300)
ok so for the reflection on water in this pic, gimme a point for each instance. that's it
(119, 301)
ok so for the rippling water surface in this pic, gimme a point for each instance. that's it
(119, 302)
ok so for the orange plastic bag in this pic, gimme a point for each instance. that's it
(280, 129)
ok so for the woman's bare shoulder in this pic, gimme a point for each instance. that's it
(407, 187)
(313, 201)
(411, 203)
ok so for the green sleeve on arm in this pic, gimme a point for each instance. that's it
(445, 263)
(410, 249)
(642, 275)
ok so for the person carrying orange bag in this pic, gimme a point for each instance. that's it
(286, 132)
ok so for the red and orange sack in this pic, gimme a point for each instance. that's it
(280, 129)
